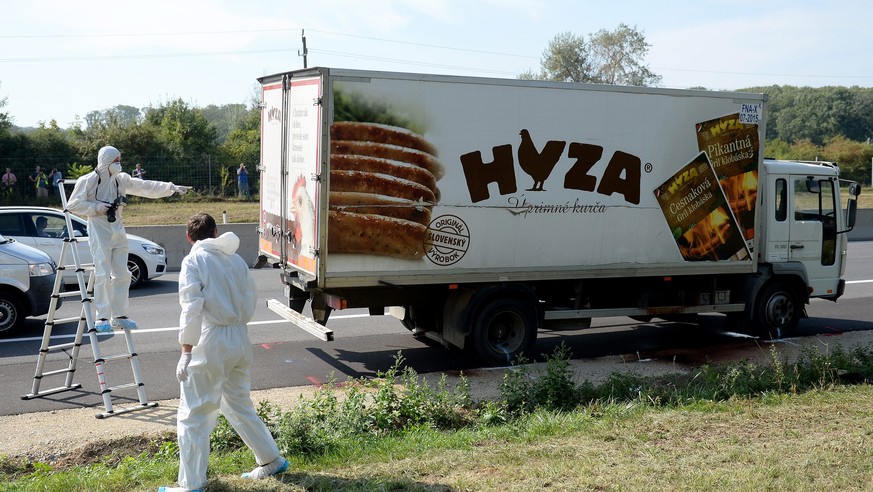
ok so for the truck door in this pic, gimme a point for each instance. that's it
(813, 232)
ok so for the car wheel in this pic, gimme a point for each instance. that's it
(11, 313)
(138, 273)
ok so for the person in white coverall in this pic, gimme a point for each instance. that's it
(94, 196)
(218, 297)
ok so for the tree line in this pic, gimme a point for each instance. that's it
(174, 141)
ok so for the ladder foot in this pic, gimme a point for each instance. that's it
(129, 409)
(31, 396)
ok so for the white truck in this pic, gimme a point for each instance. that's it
(480, 210)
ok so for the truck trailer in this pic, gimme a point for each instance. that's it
(479, 210)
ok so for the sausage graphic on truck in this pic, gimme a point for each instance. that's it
(479, 210)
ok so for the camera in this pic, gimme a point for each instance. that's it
(113, 208)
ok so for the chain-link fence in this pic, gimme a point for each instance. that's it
(205, 174)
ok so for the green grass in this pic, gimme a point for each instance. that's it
(779, 426)
(142, 212)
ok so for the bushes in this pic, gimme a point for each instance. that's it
(399, 401)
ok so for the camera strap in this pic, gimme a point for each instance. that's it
(100, 180)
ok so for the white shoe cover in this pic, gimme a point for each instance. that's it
(123, 323)
(275, 467)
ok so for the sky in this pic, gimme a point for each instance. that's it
(60, 60)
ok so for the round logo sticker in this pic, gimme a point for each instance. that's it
(447, 240)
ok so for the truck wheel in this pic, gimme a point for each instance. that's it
(778, 309)
(11, 313)
(503, 330)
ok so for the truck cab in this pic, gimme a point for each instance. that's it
(807, 213)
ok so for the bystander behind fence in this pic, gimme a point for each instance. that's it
(207, 175)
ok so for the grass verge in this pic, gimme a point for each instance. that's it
(781, 426)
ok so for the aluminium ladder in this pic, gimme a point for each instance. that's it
(85, 325)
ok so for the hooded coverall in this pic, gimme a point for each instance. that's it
(217, 295)
(108, 240)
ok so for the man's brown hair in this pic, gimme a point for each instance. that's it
(201, 226)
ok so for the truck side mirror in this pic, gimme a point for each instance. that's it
(855, 189)
(851, 211)
(812, 185)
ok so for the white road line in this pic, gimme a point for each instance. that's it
(858, 281)
(171, 328)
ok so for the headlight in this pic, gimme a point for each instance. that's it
(153, 250)
(41, 269)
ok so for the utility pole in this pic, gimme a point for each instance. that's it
(305, 51)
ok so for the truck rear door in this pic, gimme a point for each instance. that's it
(291, 140)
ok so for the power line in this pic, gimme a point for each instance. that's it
(250, 31)
(334, 53)
(138, 57)
(141, 34)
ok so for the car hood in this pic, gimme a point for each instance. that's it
(143, 240)
(24, 252)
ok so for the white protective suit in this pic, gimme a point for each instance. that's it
(108, 240)
(218, 297)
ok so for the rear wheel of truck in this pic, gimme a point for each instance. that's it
(777, 310)
(504, 329)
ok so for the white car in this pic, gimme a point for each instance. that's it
(146, 259)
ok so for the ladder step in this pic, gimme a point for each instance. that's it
(58, 371)
(83, 268)
(66, 320)
(62, 346)
(71, 293)
(107, 358)
(124, 386)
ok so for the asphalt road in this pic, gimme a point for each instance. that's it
(364, 345)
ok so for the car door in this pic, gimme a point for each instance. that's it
(50, 241)
(80, 231)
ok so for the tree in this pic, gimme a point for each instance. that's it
(183, 129)
(225, 118)
(566, 59)
(617, 57)
(608, 57)
(5, 122)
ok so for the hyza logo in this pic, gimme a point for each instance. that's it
(447, 240)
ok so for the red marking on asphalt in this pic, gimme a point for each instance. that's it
(314, 380)
(265, 346)
(835, 331)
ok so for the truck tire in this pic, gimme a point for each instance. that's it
(777, 310)
(12, 313)
(504, 329)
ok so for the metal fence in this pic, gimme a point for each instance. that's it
(205, 174)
